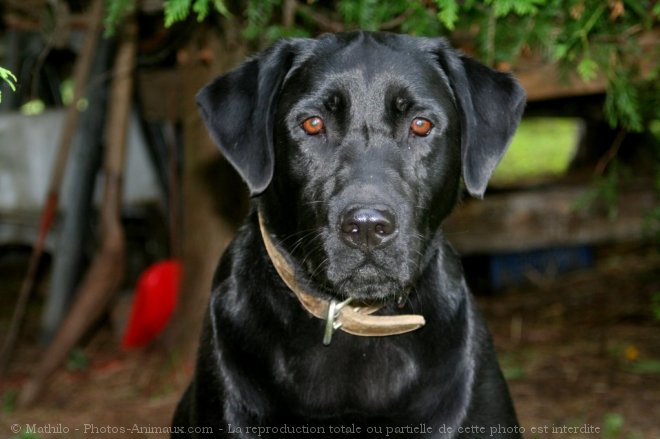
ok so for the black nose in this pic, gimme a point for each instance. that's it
(368, 228)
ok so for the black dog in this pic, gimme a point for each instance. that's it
(353, 147)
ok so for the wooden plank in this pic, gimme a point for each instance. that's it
(536, 219)
(542, 82)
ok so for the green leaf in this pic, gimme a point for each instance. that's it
(9, 78)
(622, 103)
(78, 360)
(176, 10)
(587, 69)
(655, 215)
(448, 14)
(259, 16)
(560, 51)
(116, 10)
(646, 366)
(519, 7)
(179, 10)
(221, 8)
(612, 425)
(656, 9)
(201, 8)
(9, 401)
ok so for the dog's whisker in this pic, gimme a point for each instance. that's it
(308, 254)
(315, 202)
(297, 234)
(341, 286)
(300, 243)
(319, 267)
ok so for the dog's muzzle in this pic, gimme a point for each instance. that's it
(355, 320)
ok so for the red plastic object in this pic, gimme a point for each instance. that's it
(153, 303)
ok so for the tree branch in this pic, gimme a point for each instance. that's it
(611, 153)
(324, 23)
(289, 13)
(396, 21)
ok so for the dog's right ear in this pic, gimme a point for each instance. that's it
(238, 110)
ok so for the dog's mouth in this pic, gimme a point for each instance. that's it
(370, 282)
(365, 283)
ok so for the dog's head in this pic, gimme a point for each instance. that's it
(355, 145)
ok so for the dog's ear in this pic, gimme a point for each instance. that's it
(490, 104)
(238, 110)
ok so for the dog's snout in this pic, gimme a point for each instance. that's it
(368, 228)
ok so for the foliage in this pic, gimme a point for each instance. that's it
(9, 401)
(652, 217)
(115, 12)
(613, 428)
(612, 425)
(78, 360)
(646, 366)
(178, 10)
(655, 305)
(26, 435)
(9, 78)
(605, 190)
(596, 39)
(174, 11)
(513, 366)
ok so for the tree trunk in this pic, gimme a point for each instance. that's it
(210, 188)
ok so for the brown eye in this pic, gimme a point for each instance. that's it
(313, 125)
(421, 127)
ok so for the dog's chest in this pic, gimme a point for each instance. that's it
(361, 376)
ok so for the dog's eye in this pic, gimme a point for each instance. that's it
(313, 125)
(421, 127)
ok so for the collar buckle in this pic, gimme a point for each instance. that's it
(331, 323)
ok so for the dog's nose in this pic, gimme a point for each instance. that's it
(368, 228)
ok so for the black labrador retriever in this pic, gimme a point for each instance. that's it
(340, 310)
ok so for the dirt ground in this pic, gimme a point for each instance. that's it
(581, 353)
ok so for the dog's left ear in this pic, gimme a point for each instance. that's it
(238, 110)
(490, 104)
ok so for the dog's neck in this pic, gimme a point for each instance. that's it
(355, 320)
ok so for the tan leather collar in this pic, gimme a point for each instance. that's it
(356, 320)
